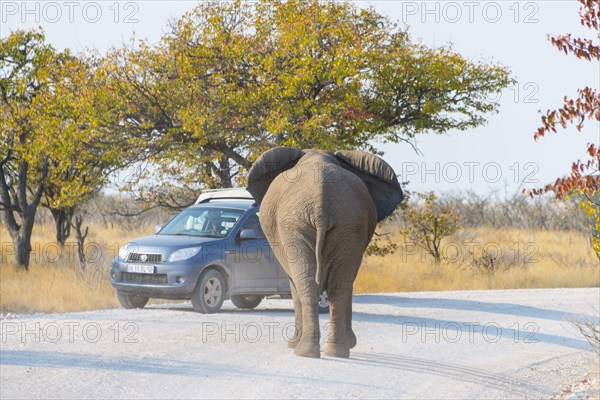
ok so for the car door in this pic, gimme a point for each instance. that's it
(255, 269)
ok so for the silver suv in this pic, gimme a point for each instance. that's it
(211, 251)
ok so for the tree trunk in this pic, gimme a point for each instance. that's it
(62, 222)
(81, 235)
(23, 252)
(224, 172)
(14, 200)
(22, 240)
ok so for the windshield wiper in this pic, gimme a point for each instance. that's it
(191, 234)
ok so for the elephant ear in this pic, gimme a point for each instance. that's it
(270, 164)
(379, 177)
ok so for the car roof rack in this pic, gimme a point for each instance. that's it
(224, 194)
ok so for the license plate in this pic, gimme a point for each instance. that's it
(141, 269)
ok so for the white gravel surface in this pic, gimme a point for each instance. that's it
(468, 344)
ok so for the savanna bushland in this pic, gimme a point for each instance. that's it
(97, 147)
(499, 243)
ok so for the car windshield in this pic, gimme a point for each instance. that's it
(207, 222)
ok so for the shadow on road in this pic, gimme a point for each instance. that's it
(161, 366)
(468, 305)
(411, 325)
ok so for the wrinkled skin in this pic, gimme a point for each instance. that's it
(319, 218)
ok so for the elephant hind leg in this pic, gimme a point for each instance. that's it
(350, 336)
(302, 271)
(293, 341)
(308, 345)
(341, 338)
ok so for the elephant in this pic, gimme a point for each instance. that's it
(319, 210)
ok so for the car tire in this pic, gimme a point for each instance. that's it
(130, 300)
(247, 302)
(323, 303)
(210, 291)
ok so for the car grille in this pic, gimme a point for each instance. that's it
(156, 279)
(150, 257)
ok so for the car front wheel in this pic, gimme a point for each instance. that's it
(246, 301)
(209, 294)
(130, 301)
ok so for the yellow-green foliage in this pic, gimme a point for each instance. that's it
(300, 73)
(57, 110)
(592, 209)
(428, 224)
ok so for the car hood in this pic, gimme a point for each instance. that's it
(172, 241)
(166, 244)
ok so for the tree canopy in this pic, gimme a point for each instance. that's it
(227, 82)
(232, 79)
(58, 140)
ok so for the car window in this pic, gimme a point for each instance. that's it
(209, 222)
(253, 222)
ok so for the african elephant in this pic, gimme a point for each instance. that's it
(318, 211)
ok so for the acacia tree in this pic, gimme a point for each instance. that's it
(584, 178)
(24, 63)
(83, 115)
(429, 223)
(56, 142)
(232, 79)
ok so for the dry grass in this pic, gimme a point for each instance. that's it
(51, 288)
(54, 282)
(486, 259)
(514, 259)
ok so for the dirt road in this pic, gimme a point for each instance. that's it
(469, 344)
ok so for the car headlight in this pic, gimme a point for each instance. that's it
(125, 250)
(184, 254)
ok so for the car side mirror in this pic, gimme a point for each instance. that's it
(247, 234)
(157, 228)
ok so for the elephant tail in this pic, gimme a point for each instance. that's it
(319, 255)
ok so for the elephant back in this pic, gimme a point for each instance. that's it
(378, 176)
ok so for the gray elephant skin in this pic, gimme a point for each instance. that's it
(319, 210)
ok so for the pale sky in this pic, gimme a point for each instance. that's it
(498, 156)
